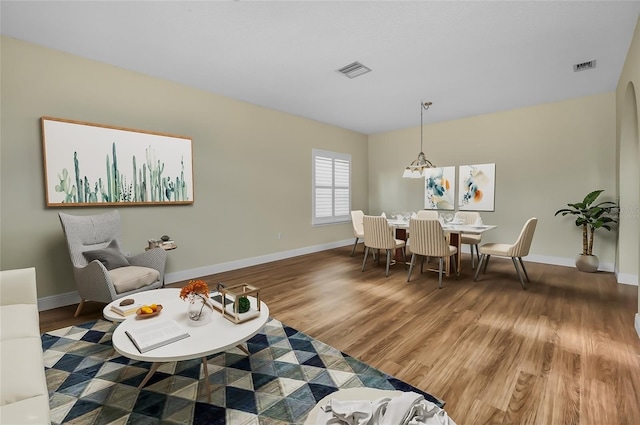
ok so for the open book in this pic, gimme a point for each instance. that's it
(156, 335)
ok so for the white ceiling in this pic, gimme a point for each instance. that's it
(468, 58)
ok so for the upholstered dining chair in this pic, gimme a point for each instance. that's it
(469, 217)
(427, 214)
(379, 235)
(428, 240)
(516, 250)
(102, 272)
(358, 227)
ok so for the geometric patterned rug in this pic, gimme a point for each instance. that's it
(286, 374)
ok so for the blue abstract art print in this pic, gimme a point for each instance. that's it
(440, 188)
(477, 187)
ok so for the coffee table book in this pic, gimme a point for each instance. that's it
(156, 335)
(126, 310)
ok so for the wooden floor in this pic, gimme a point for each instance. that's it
(563, 352)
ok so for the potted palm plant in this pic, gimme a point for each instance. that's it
(591, 217)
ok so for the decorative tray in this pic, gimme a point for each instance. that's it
(141, 315)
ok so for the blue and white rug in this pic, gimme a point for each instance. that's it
(286, 374)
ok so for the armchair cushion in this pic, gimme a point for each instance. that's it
(129, 278)
(111, 256)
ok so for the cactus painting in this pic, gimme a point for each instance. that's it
(91, 165)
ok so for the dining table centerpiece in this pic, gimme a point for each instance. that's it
(196, 292)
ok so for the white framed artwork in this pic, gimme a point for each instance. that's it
(88, 164)
(440, 188)
(477, 187)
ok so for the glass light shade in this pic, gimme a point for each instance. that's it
(413, 172)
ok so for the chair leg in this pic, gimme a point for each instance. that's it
(377, 258)
(404, 258)
(486, 263)
(473, 266)
(523, 269)
(413, 259)
(473, 257)
(455, 265)
(77, 313)
(515, 264)
(440, 272)
(475, 278)
(366, 254)
(388, 261)
(355, 244)
(422, 263)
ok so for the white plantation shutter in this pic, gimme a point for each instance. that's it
(331, 187)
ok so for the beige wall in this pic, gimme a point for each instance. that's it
(628, 142)
(546, 156)
(252, 166)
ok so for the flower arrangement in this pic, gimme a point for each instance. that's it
(197, 292)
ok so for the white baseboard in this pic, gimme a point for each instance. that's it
(248, 262)
(627, 278)
(624, 278)
(638, 324)
(61, 300)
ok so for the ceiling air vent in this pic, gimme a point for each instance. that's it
(354, 69)
(584, 66)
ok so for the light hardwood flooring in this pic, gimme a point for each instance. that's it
(563, 352)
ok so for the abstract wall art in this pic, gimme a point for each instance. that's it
(88, 164)
(477, 187)
(440, 188)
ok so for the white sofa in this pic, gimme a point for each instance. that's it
(24, 397)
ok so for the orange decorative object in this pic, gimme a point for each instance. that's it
(146, 311)
(198, 287)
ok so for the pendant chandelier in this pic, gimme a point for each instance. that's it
(416, 169)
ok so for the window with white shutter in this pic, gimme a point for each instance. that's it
(331, 187)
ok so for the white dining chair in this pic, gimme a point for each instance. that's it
(358, 227)
(428, 240)
(379, 235)
(516, 250)
(473, 240)
(427, 215)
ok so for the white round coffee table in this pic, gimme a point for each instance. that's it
(214, 335)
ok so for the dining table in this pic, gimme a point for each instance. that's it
(452, 230)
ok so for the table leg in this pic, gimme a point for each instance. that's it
(152, 370)
(244, 349)
(205, 369)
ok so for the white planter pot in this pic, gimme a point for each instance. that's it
(587, 263)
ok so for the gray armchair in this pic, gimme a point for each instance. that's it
(101, 270)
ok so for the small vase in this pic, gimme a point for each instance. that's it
(198, 309)
(587, 263)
